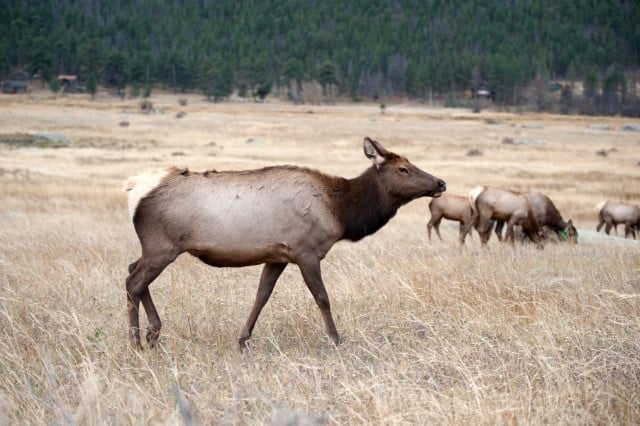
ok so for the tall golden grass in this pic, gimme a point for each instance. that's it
(433, 333)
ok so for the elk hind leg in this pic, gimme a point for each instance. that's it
(145, 270)
(434, 222)
(484, 230)
(465, 229)
(134, 265)
(461, 233)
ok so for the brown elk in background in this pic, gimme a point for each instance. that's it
(491, 204)
(613, 213)
(547, 216)
(451, 207)
(272, 216)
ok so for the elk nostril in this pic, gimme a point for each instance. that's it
(442, 185)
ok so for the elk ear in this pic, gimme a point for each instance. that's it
(374, 151)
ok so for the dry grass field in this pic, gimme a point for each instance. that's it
(433, 334)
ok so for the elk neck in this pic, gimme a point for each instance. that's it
(362, 206)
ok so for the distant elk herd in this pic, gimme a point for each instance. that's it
(279, 215)
(488, 208)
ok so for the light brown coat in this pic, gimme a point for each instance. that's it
(547, 216)
(612, 213)
(451, 207)
(496, 204)
(272, 216)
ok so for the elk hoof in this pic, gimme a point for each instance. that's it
(134, 337)
(243, 342)
(152, 336)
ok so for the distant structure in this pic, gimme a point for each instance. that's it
(69, 83)
(483, 93)
(16, 83)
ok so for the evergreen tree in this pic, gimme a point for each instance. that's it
(566, 99)
(41, 57)
(590, 92)
(217, 82)
(293, 71)
(263, 90)
(327, 76)
(363, 49)
(114, 72)
(55, 86)
(614, 88)
(91, 85)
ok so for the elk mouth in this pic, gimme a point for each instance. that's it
(442, 186)
(432, 194)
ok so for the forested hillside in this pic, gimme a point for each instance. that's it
(352, 48)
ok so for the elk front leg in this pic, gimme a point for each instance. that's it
(498, 229)
(310, 269)
(270, 274)
(607, 228)
(510, 234)
(628, 230)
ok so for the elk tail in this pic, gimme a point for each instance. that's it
(600, 206)
(141, 185)
(473, 196)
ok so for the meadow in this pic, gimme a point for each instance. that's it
(432, 333)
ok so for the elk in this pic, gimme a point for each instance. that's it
(613, 213)
(491, 204)
(547, 215)
(272, 216)
(451, 207)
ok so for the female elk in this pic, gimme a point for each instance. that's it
(452, 207)
(272, 216)
(613, 213)
(496, 204)
(547, 215)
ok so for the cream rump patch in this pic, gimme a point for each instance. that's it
(474, 194)
(600, 206)
(141, 185)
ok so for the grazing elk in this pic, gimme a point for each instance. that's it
(272, 216)
(495, 204)
(547, 215)
(613, 213)
(451, 207)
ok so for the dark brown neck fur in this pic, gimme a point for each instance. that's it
(361, 205)
(554, 219)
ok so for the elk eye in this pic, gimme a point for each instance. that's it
(403, 170)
